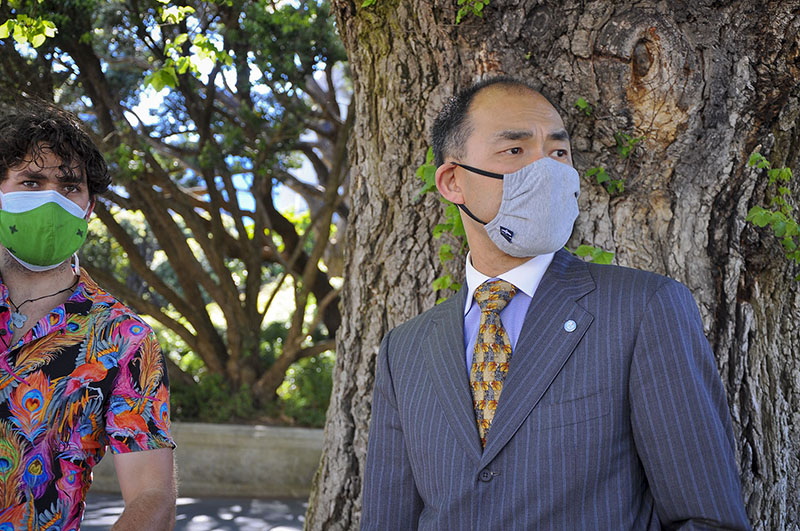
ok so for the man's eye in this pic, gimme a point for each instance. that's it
(514, 150)
(71, 188)
(561, 153)
(30, 184)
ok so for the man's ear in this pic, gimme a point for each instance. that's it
(92, 202)
(447, 184)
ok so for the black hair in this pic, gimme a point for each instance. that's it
(31, 128)
(451, 129)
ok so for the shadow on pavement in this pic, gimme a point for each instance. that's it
(207, 514)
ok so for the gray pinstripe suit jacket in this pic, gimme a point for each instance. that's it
(620, 424)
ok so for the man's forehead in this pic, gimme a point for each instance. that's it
(44, 163)
(509, 112)
(513, 104)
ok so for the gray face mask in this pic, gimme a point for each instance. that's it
(539, 208)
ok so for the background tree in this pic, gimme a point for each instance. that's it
(672, 98)
(204, 109)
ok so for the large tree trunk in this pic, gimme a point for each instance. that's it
(704, 84)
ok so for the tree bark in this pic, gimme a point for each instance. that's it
(703, 83)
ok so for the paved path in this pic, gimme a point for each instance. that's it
(207, 514)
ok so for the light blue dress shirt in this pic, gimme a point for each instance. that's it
(525, 277)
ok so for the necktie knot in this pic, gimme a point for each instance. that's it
(494, 295)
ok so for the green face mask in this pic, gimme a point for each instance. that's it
(41, 229)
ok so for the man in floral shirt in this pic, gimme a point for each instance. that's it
(79, 372)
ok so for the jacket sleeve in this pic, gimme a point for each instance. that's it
(680, 418)
(390, 497)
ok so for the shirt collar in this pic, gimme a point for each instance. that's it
(525, 277)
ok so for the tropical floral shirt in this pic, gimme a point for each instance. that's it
(89, 375)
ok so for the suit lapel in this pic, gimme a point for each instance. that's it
(543, 347)
(444, 351)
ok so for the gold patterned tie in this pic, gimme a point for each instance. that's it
(492, 352)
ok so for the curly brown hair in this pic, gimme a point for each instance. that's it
(29, 129)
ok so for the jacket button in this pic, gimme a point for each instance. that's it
(485, 475)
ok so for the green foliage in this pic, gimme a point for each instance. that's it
(584, 106)
(427, 172)
(161, 78)
(211, 399)
(25, 29)
(470, 7)
(780, 217)
(625, 147)
(612, 186)
(302, 398)
(626, 144)
(595, 254)
(452, 225)
(306, 392)
(368, 3)
(177, 62)
(175, 14)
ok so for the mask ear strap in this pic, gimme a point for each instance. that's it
(479, 171)
(470, 214)
(76, 266)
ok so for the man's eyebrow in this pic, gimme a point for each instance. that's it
(34, 175)
(522, 134)
(513, 134)
(560, 135)
(70, 178)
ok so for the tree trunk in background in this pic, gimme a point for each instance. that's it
(704, 84)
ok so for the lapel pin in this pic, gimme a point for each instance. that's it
(570, 326)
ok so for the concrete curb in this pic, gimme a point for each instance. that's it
(236, 460)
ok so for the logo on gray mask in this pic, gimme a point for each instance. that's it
(508, 234)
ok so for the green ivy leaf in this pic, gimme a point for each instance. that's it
(442, 283)
(440, 229)
(595, 254)
(779, 228)
(183, 64)
(584, 106)
(176, 14)
(759, 216)
(454, 220)
(445, 253)
(164, 77)
(38, 40)
(5, 29)
(427, 173)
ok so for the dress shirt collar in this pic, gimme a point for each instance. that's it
(525, 277)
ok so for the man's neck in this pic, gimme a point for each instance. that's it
(492, 262)
(24, 284)
(486, 257)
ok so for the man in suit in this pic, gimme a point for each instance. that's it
(548, 393)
